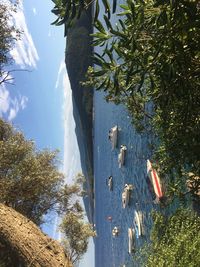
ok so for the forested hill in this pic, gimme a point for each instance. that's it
(77, 59)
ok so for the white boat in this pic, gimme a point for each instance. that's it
(155, 180)
(138, 224)
(131, 241)
(115, 231)
(126, 195)
(110, 183)
(121, 156)
(113, 133)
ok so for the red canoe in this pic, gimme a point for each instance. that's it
(153, 176)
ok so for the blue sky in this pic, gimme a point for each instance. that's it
(39, 101)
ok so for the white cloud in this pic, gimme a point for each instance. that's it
(13, 113)
(49, 33)
(71, 157)
(34, 11)
(24, 53)
(4, 100)
(9, 107)
(61, 71)
(23, 102)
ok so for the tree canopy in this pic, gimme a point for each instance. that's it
(150, 63)
(9, 34)
(30, 180)
(175, 241)
(31, 183)
(76, 234)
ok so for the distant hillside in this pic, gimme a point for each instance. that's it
(78, 59)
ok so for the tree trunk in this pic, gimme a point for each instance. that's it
(24, 238)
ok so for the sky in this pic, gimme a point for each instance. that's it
(39, 100)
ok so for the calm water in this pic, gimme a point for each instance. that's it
(113, 251)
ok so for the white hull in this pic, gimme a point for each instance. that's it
(121, 156)
(126, 195)
(110, 183)
(138, 224)
(131, 235)
(113, 136)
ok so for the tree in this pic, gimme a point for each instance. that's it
(68, 12)
(31, 184)
(26, 240)
(76, 234)
(29, 179)
(150, 63)
(9, 34)
(175, 241)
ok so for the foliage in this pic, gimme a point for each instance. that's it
(9, 34)
(69, 200)
(175, 241)
(68, 12)
(76, 233)
(150, 63)
(31, 184)
(30, 181)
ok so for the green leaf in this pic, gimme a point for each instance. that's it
(114, 6)
(98, 25)
(107, 7)
(96, 11)
(55, 22)
(102, 84)
(125, 7)
(108, 24)
(99, 73)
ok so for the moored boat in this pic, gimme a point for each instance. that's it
(131, 241)
(115, 231)
(126, 195)
(113, 134)
(138, 224)
(110, 183)
(155, 180)
(121, 156)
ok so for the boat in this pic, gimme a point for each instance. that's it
(115, 231)
(110, 183)
(121, 156)
(126, 195)
(131, 243)
(113, 133)
(138, 224)
(155, 180)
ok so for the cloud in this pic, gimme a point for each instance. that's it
(4, 100)
(24, 53)
(71, 157)
(61, 72)
(34, 11)
(10, 107)
(49, 33)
